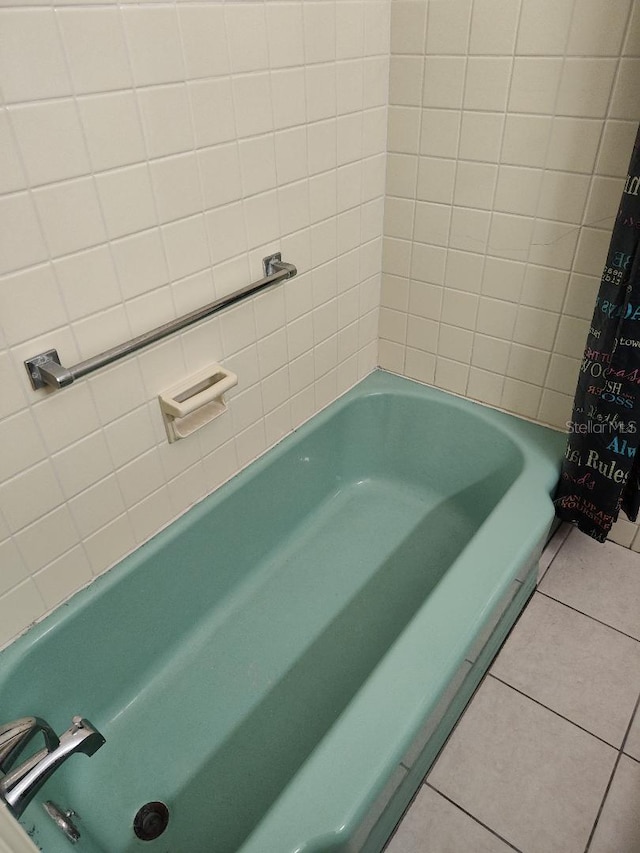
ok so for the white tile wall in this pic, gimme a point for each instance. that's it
(503, 182)
(138, 188)
(152, 155)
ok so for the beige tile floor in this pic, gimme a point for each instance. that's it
(546, 757)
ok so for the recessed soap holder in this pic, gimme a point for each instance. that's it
(195, 401)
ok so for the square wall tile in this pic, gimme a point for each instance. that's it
(573, 145)
(496, 318)
(165, 118)
(443, 81)
(99, 115)
(598, 29)
(350, 30)
(490, 354)
(428, 263)
(535, 327)
(544, 288)
(212, 110)
(526, 139)
(29, 495)
(21, 240)
(12, 176)
(544, 26)
(585, 87)
(625, 103)
(572, 336)
(615, 148)
(50, 140)
(402, 172)
(528, 364)
(487, 82)
(432, 223)
(454, 343)
(32, 63)
(510, 236)
(553, 244)
(127, 200)
(19, 608)
(14, 569)
(485, 386)
(63, 577)
(440, 132)
(448, 26)
(30, 304)
(475, 184)
(420, 365)
(469, 229)
(405, 80)
(518, 189)
(563, 374)
(493, 27)
(480, 136)
(563, 196)
(204, 40)
(521, 398)
(87, 34)
(436, 178)
(534, 84)
(459, 309)
(451, 375)
(408, 18)
(581, 296)
(154, 44)
(464, 271)
(70, 215)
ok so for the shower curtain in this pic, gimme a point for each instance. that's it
(600, 472)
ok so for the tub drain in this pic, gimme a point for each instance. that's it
(151, 821)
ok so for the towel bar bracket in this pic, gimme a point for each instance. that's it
(45, 369)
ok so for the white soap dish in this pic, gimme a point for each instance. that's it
(195, 401)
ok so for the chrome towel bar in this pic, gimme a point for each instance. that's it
(45, 369)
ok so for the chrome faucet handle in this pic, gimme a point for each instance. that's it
(15, 736)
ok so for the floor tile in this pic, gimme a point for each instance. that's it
(632, 746)
(585, 671)
(618, 829)
(434, 825)
(602, 581)
(552, 547)
(534, 778)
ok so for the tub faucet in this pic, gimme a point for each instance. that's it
(20, 784)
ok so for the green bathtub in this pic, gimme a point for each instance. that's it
(282, 664)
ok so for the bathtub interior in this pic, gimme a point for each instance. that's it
(302, 573)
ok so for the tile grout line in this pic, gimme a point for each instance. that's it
(611, 777)
(475, 819)
(556, 713)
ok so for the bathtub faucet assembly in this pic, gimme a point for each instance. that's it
(20, 784)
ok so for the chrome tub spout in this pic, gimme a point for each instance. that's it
(21, 784)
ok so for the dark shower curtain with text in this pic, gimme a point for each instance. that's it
(600, 472)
